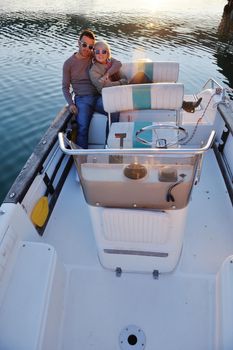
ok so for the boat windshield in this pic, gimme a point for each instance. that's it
(137, 181)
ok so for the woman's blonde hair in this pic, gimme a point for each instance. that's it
(103, 45)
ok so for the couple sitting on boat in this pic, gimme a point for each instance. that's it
(87, 72)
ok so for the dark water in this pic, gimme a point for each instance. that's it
(37, 36)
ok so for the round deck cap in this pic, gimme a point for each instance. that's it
(132, 338)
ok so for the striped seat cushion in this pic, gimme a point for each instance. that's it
(143, 96)
(156, 71)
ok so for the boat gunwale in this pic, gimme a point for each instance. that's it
(34, 163)
(223, 110)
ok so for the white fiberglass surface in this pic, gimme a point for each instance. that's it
(177, 311)
(209, 237)
(69, 229)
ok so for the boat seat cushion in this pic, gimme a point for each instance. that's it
(167, 96)
(97, 130)
(156, 72)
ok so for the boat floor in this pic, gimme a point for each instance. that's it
(178, 308)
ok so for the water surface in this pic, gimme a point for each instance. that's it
(37, 36)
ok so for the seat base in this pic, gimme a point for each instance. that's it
(138, 240)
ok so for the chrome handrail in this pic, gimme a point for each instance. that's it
(63, 141)
(213, 84)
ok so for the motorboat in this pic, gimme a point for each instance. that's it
(127, 244)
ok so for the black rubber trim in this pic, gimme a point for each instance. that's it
(225, 171)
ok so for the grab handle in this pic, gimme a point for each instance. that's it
(63, 141)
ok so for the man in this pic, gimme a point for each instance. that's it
(76, 74)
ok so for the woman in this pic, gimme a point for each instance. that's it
(100, 72)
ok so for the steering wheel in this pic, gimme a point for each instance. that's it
(160, 142)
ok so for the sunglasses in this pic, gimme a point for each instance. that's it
(97, 52)
(83, 44)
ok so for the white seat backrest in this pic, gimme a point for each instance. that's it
(143, 96)
(167, 96)
(157, 72)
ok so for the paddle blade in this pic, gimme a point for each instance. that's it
(40, 212)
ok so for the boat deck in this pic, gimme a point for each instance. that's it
(98, 305)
